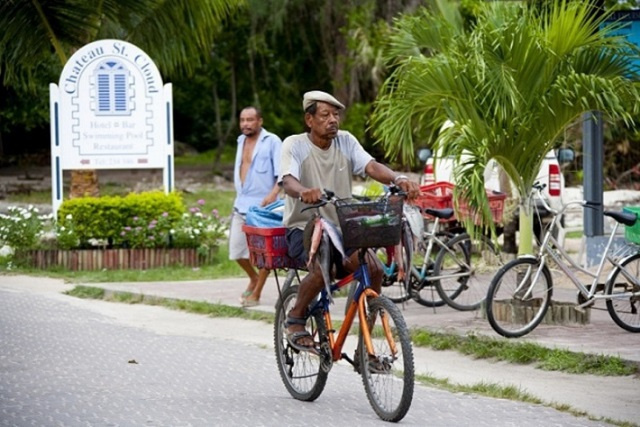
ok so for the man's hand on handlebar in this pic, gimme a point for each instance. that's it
(411, 188)
(311, 196)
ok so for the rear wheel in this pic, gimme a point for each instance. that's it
(516, 304)
(623, 307)
(301, 371)
(388, 374)
(293, 278)
(466, 267)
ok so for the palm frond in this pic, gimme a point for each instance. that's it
(177, 34)
(510, 84)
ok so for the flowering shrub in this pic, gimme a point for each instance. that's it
(21, 227)
(197, 229)
(194, 229)
(140, 234)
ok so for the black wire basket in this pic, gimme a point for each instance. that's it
(371, 224)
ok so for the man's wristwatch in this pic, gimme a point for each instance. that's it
(400, 178)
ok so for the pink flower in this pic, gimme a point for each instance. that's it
(165, 214)
(201, 202)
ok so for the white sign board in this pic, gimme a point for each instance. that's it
(110, 110)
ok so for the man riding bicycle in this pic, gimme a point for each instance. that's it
(324, 157)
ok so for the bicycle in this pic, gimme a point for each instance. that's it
(384, 354)
(521, 291)
(396, 260)
(455, 268)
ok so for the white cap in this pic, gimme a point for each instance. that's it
(319, 96)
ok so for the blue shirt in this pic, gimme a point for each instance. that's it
(262, 174)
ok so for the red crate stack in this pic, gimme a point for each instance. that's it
(496, 205)
(436, 196)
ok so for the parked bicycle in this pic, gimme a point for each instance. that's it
(446, 268)
(521, 291)
(384, 354)
(397, 260)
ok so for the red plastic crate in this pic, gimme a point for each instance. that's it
(268, 247)
(496, 205)
(436, 196)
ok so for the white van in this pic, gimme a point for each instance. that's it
(439, 168)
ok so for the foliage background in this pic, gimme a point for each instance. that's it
(267, 53)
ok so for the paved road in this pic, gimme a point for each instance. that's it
(70, 362)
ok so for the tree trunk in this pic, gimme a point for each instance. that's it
(221, 134)
(526, 230)
(84, 183)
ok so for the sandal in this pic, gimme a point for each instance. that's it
(250, 302)
(243, 297)
(294, 337)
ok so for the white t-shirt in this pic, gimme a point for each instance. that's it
(331, 169)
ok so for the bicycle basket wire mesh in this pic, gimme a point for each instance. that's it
(370, 224)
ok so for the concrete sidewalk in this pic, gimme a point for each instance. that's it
(614, 398)
(600, 336)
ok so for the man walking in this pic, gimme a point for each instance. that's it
(255, 179)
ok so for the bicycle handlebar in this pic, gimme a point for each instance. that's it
(537, 191)
(330, 197)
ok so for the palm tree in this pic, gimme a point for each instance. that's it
(178, 35)
(510, 84)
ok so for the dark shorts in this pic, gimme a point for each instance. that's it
(295, 249)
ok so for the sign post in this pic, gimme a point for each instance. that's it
(110, 110)
(593, 148)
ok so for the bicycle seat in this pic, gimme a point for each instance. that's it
(625, 218)
(439, 213)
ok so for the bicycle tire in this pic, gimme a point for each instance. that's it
(625, 311)
(290, 280)
(394, 289)
(301, 371)
(388, 379)
(508, 314)
(470, 264)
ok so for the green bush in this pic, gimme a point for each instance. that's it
(102, 219)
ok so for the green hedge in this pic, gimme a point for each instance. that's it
(104, 218)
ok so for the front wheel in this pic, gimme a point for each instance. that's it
(465, 268)
(302, 372)
(388, 374)
(623, 303)
(518, 297)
